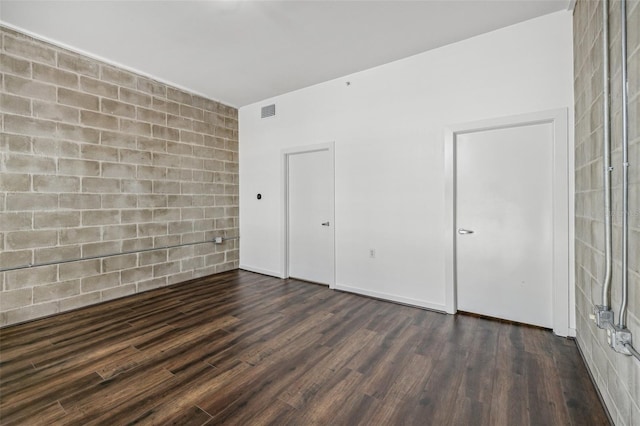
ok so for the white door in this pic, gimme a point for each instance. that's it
(310, 203)
(504, 223)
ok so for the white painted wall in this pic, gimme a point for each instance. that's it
(388, 127)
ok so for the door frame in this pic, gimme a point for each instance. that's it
(284, 158)
(558, 118)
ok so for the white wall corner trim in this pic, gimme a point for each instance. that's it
(562, 262)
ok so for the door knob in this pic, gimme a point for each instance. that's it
(325, 224)
(463, 231)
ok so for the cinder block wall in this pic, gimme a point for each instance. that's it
(617, 376)
(95, 159)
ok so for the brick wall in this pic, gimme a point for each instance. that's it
(94, 160)
(617, 376)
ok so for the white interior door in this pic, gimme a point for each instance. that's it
(504, 221)
(310, 203)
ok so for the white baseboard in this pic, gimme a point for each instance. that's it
(261, 271)
(392, 298)
(571, 332)
(361, 291)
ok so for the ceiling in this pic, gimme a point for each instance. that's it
(240, 52)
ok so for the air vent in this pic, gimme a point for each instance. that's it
(269, 111)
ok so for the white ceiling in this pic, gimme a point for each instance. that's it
(240, 52)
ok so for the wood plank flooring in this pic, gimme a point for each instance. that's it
(245, 349)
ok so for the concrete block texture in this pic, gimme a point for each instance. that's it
(95, 160)
(615, 375)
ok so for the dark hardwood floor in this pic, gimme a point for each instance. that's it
(241, 348)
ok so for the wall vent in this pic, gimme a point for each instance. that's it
(268, 111)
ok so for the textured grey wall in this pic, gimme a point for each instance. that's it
(94, 160)
(617, 376)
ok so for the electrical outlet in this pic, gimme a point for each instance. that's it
(372, 253)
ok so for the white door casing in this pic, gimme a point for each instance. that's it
(554, 121)
(308, 239)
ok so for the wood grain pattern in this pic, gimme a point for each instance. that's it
(240, 348)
